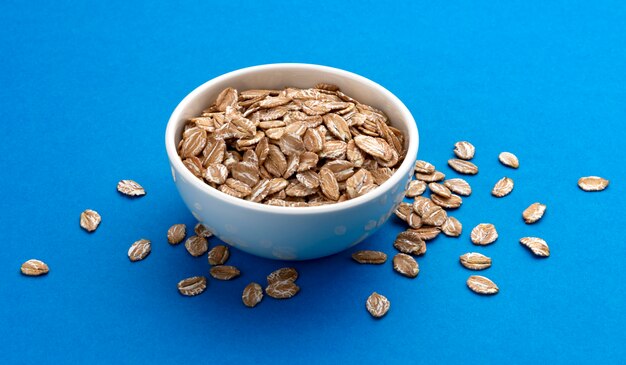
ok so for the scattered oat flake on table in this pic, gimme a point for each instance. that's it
(464, 150)
(458, 186)
(90, 220)
(427, 233)
(475, 261)
(439, 189)
(433, 177)
(463, 167)
(415, 188)
(509, 159)
(435, 216)
(378, 305)
(202, 231)
(196, 246)
(224, 272)
(252, 295)
(34, 267)
(533, 213)
(218, 255)
(176, 234)
(139, 250)
(282, 274)
(130, 188)
(410, 242)
(405, 265)
(403, 210)
(593, 183)
(369, 257)
(484, 234)
(452, 227)
(192, 286)
(282, 289)
(482, 285)
(452, 202)
(424, 167)
(503, 187)
(414, 220)
(538, 246)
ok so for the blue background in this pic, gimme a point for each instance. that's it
(86, 90)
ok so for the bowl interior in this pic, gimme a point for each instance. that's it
(278, 76)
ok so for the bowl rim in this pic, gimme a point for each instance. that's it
(177, 163)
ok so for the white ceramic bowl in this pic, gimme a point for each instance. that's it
(290, 233)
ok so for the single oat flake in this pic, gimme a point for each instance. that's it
(252, 295)
(481, 285)
(464, 150)
(196, 246)
(415, 188)
(34, 267)
(439, 189)
(218, 255)
(90, 220)
(192, 286)
(176, 234)
(593, 183)
(538, 246)
(282, 289)
(130, 188)
(458, 186)
(533, 213)
(509, 159)
(452, 202)
(405, 265)
(475, 261)
(427, 233)
(224, 272)
(503, 187)
(433, 177)
(410, 242)
(463, 167)
(139, 250)
(282, 274)
(369, 257)
(202, 231)
(424, 167)
(484, 234)
(378, 305)
(452, 227)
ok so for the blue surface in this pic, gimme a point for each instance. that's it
(85, 93)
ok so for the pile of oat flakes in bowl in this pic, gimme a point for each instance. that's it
(291, 147)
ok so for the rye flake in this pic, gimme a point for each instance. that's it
(458, 186)
(475, 261)
(405, 265)
(192, 286)
(139, 250)
(252, 295)
(176, 234)
(482, 285)
(484, 234)
(224, 272)
(369, 257)
(533, 213)
(130, 188)
(377, 305)
(90, 220)
(34, 267)
(463, 167)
